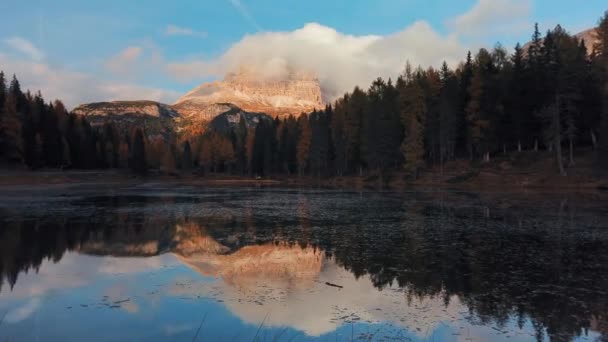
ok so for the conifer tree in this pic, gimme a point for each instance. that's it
(138, 153)
(448, 114)
(304, 139)
(10, 131)
(601, 52)
(186, 157)
(413, 112)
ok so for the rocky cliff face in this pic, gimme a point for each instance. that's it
(156, 119)
(290, 94)
(150, 108)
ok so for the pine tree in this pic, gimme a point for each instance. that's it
(448, 114)
(534, 84)
(240, 142)
(413, 112)
(2, 87)
(338, 131)
(431, 83)
(138, 153)
(304, 139)
(319, 145)
(3, 94)
(249, 149)
(475, 122)
(355, 143)
(516, 98)
(10, 129)
(186, 157)
(463, 140)
(601, 52)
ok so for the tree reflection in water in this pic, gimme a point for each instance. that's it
(541, 259)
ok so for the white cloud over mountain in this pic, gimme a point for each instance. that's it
(341, 61)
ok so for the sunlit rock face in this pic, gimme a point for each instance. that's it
(189, 240)
(156, 119)
(291, 283)
(294, 93)
(278, 264)
(150, 108)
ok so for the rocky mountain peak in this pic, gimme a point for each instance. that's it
(278, 94)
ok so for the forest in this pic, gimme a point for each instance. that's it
(551, 94)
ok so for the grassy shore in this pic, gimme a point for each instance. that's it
(514, 172)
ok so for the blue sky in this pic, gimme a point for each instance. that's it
(160, 49)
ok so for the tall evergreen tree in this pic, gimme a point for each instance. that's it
(463, 141)
(357, 103)
(319, 143)
(601, 52)
(413, 112)
(138, 153)
(11, 139)
(516, 99)
(186, 159)
(304, 139)
(448, 114)
(3, 93)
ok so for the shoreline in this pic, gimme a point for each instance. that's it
(512, 183)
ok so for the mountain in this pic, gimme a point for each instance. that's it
(243, 95)
(101, 109)
(157, 119)
(248, 89)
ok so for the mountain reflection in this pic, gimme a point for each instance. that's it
(498, 259)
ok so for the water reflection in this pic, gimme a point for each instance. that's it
(450, 266)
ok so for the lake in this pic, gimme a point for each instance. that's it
(156, 262)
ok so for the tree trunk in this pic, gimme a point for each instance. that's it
(519, 146)
(535, 145)
(571, 147)
(593, 139)
(557, 137)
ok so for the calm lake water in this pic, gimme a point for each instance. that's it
(155, 262)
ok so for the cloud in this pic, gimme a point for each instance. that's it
(244, 12)
(123, 61)
(174, 30)
(490, 17)
(341, 61)
(23, 312)
(75, 87)
(25, 47)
